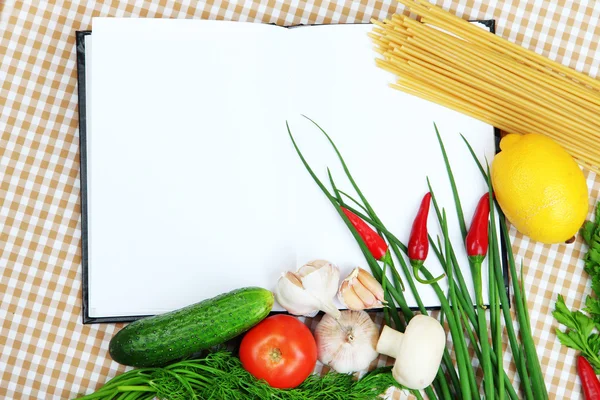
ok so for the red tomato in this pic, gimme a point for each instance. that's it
(281, 350)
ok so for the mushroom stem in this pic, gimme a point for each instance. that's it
(389, 342)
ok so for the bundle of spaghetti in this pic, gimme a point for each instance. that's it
(450, 61)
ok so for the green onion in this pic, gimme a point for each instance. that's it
(375, 269)
(531, 358)
(462, 356)
(367, 208)
(464, 300)
(462, 313)
(533, 367)
(459, 211)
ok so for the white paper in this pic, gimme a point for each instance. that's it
(388, 140)
(194, 186)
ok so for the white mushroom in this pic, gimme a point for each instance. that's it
(418, 351)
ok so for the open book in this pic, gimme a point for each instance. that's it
(191, 186)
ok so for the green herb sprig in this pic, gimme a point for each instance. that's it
(582, 326)
(221, 376)
(591, 234)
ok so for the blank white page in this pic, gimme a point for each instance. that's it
(388, 140)
(184, 163)
(194, 187)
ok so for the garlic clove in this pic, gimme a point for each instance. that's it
(312, 266)
(347, 344)
(294, 279)
(291, 295)
(360, 290)
(364, 294)
(320, 279)
(371, 284)
(349, 298)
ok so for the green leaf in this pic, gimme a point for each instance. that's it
(592, 268)
(592, 305)
(566, 340)
(589, 266)
(585, 324)
(578, 339)
(587, 231)
(594, 255)
(594, 343)
(565, 319)
(563, 315)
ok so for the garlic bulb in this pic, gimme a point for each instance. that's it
(360, 290)
(348, 343)
(310, 289)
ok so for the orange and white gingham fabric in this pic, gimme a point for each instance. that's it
(45, 350)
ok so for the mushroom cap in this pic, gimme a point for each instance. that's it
(420, 352)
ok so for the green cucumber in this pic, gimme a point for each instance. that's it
(160, 339)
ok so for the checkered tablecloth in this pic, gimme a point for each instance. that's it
(45, 350)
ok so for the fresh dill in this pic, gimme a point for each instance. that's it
(221, 376)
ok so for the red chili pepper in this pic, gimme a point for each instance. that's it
(418, 243)
(477, 238)
(375, 243)
(477, 243)
(589, 381)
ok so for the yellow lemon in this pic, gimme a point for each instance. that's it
(540, 188)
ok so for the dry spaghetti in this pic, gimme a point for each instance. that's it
(447, 60)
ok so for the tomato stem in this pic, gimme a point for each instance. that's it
(275, 355)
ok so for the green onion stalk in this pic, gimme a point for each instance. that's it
(396, 294)
(467, 307)
(457, 306)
